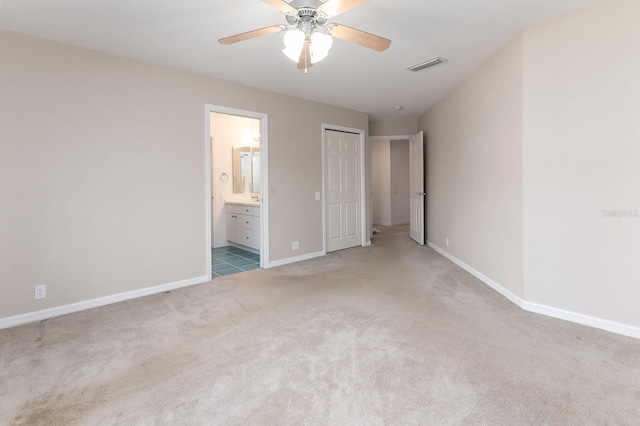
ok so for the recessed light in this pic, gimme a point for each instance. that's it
(398, 107)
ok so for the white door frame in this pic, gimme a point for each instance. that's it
(396, 138)
(264, 181)
(363, 186)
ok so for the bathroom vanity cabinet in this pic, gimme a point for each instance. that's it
(243, 224)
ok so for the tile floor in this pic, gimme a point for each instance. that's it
(231, 260)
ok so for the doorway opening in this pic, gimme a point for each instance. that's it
(398, 183)
(237, 213)
(390, 182)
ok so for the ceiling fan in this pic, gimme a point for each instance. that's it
(308, 35)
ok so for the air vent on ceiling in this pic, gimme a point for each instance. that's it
(427, 64)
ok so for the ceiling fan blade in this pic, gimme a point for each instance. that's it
(362, 38)
(251, 34)
(336, 7)
(281, 5)
(305, 57)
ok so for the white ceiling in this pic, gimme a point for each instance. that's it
(183, 34)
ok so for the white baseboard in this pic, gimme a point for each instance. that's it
(289, 260)
(390, 223)
(94, 303)
(488, 281)
(602, 324)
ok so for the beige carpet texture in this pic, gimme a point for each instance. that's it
(392, 334)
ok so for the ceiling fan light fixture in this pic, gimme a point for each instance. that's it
(321, 41)
(293, 42)
(320, 44)
(294, 39)
(318, 56)
(293, 54)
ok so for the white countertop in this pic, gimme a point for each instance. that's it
(243, 202)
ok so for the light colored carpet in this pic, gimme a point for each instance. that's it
(388, 334)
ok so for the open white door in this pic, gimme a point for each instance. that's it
(343, 190)
(416, 188)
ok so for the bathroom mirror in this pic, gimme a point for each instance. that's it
(246, 169)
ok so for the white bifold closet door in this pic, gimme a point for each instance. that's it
(343, 190)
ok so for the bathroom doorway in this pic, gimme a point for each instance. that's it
(237, 227)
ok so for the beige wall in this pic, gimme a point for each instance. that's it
(381, 181)
(103, 182)
(399, 159)
(474, 170)
(102, 172)
(582, 156)
(397, 127)
(527, 153)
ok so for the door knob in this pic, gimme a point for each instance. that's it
(422, 193)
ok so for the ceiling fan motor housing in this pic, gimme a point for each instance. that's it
(307, 12)
(309, 36)
(307, 19)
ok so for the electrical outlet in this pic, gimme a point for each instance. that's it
(295, 245)
(40, 291)
(447, 242)
(317, 196)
